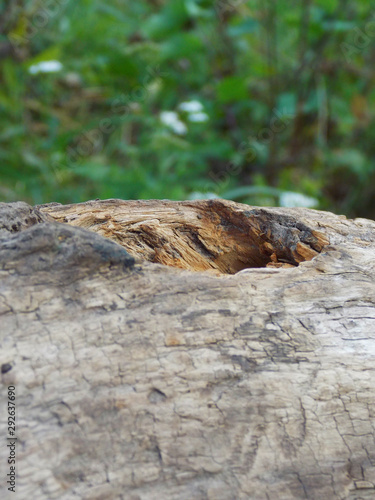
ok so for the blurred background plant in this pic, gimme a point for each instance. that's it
(267, 103)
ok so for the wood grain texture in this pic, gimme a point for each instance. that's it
(139, 381)
(213, 235)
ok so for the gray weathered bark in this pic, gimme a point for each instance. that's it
(251, 378)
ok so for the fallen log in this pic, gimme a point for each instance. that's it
(181, 350)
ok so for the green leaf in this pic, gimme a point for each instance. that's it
(181, 45)
(122, 66)
(248, 25)
(232, 89)
(353, 159)
(170, 20)
(53, 53)
(93, 171)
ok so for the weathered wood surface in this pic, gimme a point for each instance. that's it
(139, 381)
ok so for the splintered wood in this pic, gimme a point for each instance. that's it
(217, 235)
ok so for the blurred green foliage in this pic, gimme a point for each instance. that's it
(285, 90)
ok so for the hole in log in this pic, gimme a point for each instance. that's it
(217, 235)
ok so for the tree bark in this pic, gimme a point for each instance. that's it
(187, 350)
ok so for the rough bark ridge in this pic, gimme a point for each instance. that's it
(139, 381)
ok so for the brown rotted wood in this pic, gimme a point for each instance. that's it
(203, 235)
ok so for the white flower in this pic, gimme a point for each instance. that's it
(171, 120)
(198, 117)
(179, 128)
(191, 106)
(45, 67)
(169, 117)
(290, 199)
